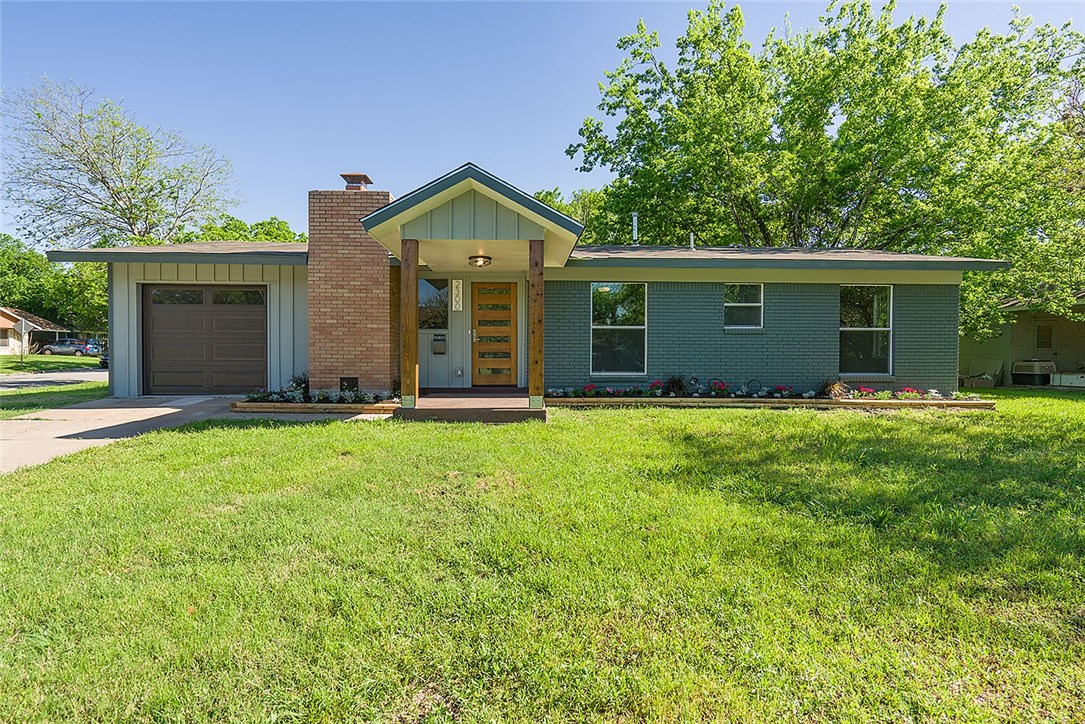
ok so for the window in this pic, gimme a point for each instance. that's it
(619, 330)
(866, 329)
(1045, 337)
(433, 304)
(742, 305)
(177, 296)
(251, 297)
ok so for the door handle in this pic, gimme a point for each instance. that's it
(474, 335)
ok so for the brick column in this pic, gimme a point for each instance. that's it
(351, 317)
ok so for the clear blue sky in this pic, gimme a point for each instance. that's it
(295, 93)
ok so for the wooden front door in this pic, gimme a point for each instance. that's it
(493, 349)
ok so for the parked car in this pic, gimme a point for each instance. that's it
(77, 347)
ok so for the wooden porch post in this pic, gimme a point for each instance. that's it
(408, 316)
(535, 324)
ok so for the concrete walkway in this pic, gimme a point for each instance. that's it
(23, 380)
(38, 437)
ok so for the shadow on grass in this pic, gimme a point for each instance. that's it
(18, 402)
(969, 492)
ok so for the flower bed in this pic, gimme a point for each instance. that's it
(677, 393)
(298, 398)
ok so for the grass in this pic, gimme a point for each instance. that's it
(10, 364)
(613, 564)
(35, 399)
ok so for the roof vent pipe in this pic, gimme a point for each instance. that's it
(635, 228)
(691, 241)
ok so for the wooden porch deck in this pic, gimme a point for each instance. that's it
(476, 404)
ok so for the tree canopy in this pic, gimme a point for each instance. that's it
(861, 132)
(73, 295)
(231, 228)
(81, 171)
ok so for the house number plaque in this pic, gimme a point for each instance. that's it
(457, 295)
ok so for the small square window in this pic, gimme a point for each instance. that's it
(743, 305)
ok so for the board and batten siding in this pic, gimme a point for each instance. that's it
(287, 308)
(472, 215)
(798, 346)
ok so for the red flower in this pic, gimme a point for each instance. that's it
(783, 388)
(655, 385)
(589, 388)
(717, 385)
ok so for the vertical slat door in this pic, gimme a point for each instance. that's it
(493, 317)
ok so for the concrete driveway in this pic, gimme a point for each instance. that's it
(38, 437)
(23, 380)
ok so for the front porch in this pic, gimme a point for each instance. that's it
(489, 405)
(472, 251)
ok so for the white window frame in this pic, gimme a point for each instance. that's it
(593, 326)
(761, 317)
(888, 329)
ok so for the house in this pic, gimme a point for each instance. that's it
(11, 342)
(1056, 342)
(468, 281)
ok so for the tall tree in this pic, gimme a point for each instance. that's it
(82, 171)
(73, 295)
(584, 205)
(861, 132)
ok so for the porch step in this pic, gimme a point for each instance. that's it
(491, 415)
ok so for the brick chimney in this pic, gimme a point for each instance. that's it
(353, 292)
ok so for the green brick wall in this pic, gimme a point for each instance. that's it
(799, 345)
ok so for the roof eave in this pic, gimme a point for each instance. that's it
(672, 263)
(167, 256)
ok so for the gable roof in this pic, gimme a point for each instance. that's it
(467, 183)
(470, 171)
(40, 323)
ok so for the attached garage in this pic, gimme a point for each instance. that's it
(206, 318)
(204, 339)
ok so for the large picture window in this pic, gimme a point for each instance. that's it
(866, 329)
(743, 305)
(433, 304)
(619, 328)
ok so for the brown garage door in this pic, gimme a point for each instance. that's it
(204, 339)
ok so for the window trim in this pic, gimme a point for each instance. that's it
(592, 326)
(889, 329)
(761, 317)
(1036, 337)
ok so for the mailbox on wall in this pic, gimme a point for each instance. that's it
(438, 344)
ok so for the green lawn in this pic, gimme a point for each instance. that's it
(36, 399)
(10, 364)
(613, 564)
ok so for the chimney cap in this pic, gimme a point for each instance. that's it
(356, 180)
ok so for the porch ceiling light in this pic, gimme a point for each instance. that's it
(479, 260)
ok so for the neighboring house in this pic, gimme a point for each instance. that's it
(10, 340)
(1032, 335)
(486, 286)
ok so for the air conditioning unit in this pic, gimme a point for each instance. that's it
(1033, 372)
